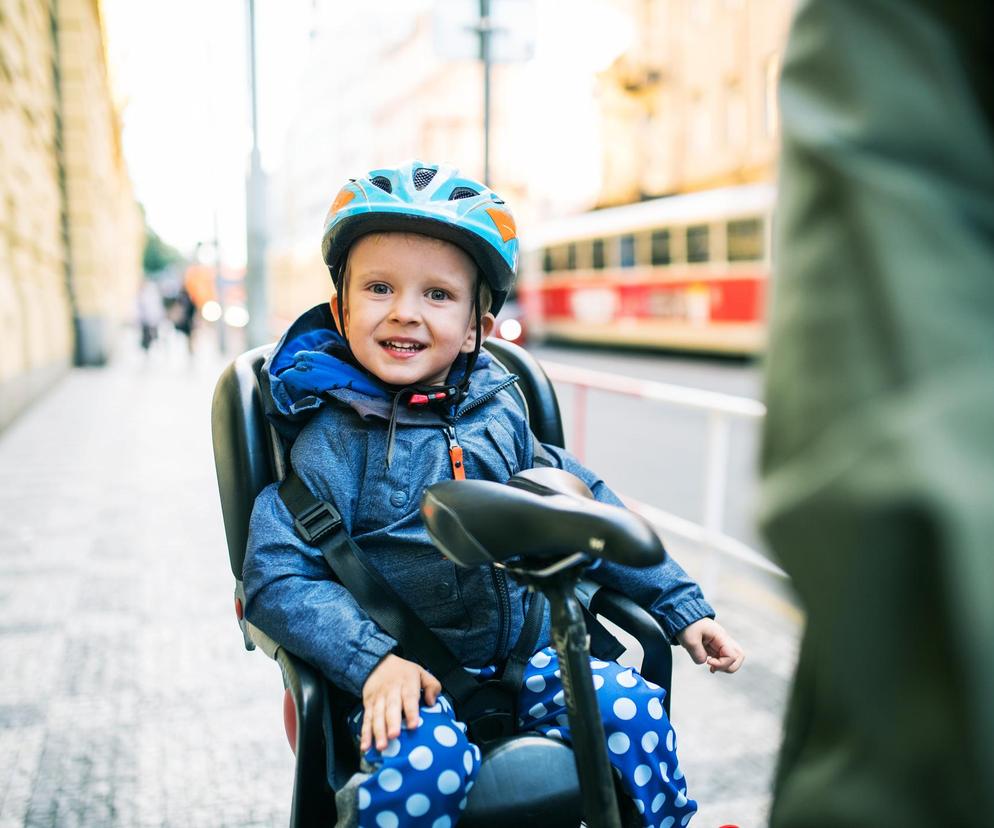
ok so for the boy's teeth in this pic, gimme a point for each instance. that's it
(404, 346)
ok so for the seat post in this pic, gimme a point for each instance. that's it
(569, 633)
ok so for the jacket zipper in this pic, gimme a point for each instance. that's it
(484, 398)
(499, 578)
(503, 611)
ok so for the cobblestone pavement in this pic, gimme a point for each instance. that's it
(126, 698)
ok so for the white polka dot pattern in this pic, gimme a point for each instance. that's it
(535, 683)
(387, 819)
(417, 805)
(421, 758)
(624, 709)
(431, 771)
(390, 779)
(448, 781)
(445, 736)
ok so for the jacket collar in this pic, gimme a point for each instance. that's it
(311, 364)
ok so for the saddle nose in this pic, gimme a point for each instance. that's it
(536, 517)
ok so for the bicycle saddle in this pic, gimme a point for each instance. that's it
(541, 514)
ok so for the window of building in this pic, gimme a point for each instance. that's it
(571, 256)
(660, 247)
(698, 243)
(597, 254)
(745, 240)
(627, 250)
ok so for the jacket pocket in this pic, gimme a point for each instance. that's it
(502, 441)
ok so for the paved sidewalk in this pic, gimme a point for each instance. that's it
(126, 698)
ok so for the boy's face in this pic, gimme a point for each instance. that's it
(409, 307)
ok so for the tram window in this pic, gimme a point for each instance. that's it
(571, 256)
(745, 240)
(627, 251)
(547, 263)
(597, 254)
(697, 243)
(560, 257)
(661, 247)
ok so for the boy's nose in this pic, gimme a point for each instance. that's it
(405, 308)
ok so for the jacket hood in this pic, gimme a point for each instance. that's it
(312, 364)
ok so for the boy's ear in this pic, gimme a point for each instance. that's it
(334, 312)
(487, 323)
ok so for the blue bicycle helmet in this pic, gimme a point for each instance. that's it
(433, 200)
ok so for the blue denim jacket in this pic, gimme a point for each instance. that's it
(340, 454)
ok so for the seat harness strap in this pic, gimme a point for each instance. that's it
(319, 524)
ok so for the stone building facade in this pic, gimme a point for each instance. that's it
(692, 104)
(71, 233)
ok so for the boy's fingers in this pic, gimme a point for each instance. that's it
(411, 713)
(379, 723)
(366, 735)
(393, 715)
(727, 663)
(431, 686)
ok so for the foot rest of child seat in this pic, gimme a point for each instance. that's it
(523, 781)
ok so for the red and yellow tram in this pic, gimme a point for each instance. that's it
(686, 272)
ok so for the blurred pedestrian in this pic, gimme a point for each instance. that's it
(151, 313)
(878, 455)
(183, 313)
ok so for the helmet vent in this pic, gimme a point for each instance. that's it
(462, 192)
(383, 183)
(423, 177)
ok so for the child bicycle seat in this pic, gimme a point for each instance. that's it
(524, 779)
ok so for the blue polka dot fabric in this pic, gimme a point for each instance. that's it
(423, 778)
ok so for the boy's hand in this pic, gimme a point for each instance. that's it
(708, 643)
(394, 688)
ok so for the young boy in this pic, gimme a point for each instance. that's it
(421, 261)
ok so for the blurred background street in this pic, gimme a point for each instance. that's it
(164, 175)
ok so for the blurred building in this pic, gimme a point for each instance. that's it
(378, 90)
(602, 104)
(692, 103)
(71, 233)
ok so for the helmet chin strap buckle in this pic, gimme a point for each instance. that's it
(433, 396)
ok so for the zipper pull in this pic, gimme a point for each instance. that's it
(455, 454)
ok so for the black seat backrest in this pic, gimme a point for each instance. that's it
(244, 455)
(247, 452)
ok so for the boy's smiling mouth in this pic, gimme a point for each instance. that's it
(403, 346)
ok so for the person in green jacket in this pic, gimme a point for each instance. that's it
(878, 455)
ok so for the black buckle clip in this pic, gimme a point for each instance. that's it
(317, 521)
(493, 724)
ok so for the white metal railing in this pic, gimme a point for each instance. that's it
(720, 409)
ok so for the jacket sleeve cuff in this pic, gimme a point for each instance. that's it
(683, 615)
(373, 649)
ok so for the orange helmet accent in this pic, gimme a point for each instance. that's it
(504, 222)
(345, 195)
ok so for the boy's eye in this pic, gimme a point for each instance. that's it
(380, 288)
(437, 295)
